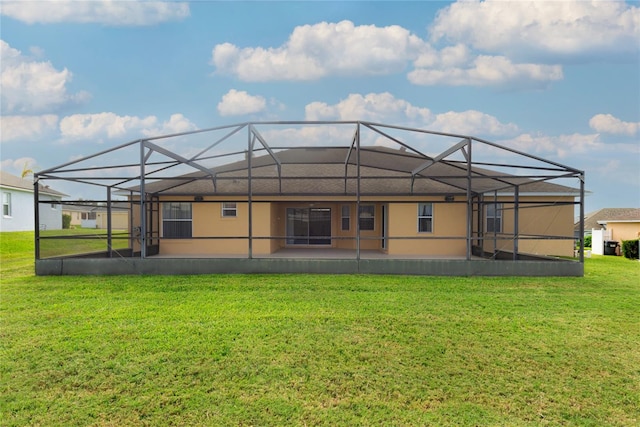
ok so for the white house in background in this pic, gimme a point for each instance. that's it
(17, 205)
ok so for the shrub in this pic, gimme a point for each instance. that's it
(587, 242)
(630, 248)
(66, 221)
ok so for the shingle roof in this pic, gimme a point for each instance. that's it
(609, 214)
(8, 180)
(318, 171)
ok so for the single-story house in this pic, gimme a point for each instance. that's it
(361, 207)
(612, 225)
(90, 215)
(17, 205)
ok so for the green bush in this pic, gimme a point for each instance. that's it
(630, 248)
(66, 221)
(587, 242)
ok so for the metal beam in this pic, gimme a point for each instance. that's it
(442, 156)
(175, 156)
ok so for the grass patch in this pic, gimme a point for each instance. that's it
(55, 243)
(318, 349)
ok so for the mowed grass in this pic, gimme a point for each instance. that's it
(318, 349)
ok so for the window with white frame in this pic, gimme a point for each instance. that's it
(494, 218)
(346, 217)
(88, 215)
(367, 217)
(176, 220)
(229, 210)
(6, 204)
(425, 217)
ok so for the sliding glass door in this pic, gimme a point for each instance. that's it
(308, 226)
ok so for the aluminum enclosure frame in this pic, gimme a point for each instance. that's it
(472, 181)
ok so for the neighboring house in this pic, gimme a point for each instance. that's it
(81, 214)
(612, 224)
(329, 204)
(88, 215)
(17, 205)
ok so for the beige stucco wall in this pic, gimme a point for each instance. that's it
(624, 230)
(536, 220)
(119, 220)
(449, 221)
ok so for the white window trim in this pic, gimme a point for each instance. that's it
(6, 201)
(425, 216)
(497, 214)
(178, 220)
(343, 217)
(224, 209)
(373, 217)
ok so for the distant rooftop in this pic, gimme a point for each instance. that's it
(8, 180)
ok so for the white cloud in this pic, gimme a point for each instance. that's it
(109, 125)
(549, 28)
(236, 103)
(106, 12)
(471, 122)
(326, 49)
(606, 123)
(560, 146)
(177, 123)
(315, 51)
(32, 86)
(385, 108)
(372, 107)
(26, 127)
(16, 166)
(482, 70)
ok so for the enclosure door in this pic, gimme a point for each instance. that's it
(308, 226)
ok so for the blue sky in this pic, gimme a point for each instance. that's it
(557, 79)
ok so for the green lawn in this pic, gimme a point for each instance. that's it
(318, 349)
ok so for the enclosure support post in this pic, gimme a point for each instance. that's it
(357, 216)
(516, 230)
(36, 206)
(495, 230)
(250, 190)
(143, 213)
(582, 217)
(469, 202)
(109, 233)
(131, 224)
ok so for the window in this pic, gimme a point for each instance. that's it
(425, 217)
(346, 217)
(88, 215)
(54, 206)
(367, 217)
(494, 218)
(229, 209)
(6, 204)
(176, 220)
